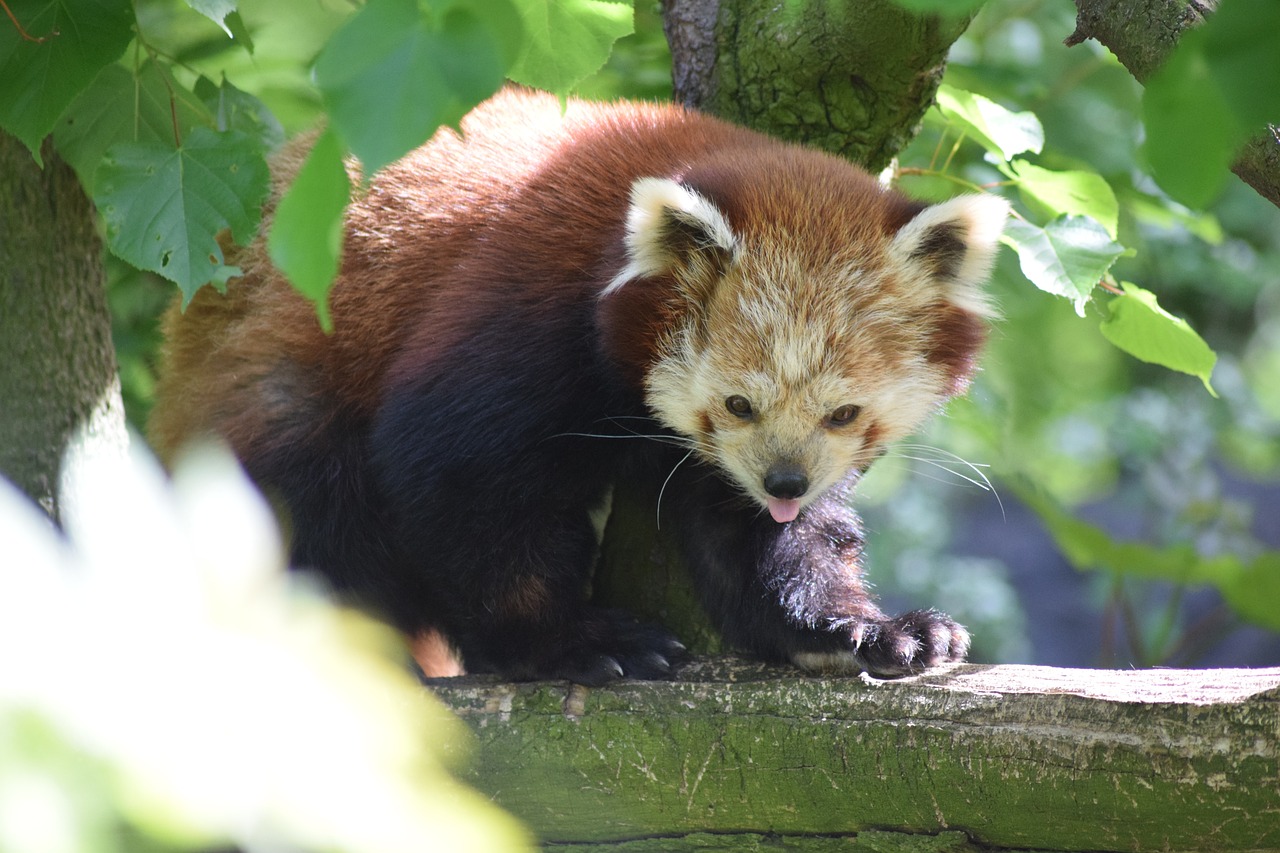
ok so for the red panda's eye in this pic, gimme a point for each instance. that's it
(844, 415)
(738, 405)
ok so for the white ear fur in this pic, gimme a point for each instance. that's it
(955, 244)
(660, 209)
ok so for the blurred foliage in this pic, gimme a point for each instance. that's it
(176, 689)
(1063, 416)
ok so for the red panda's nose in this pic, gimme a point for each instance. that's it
(786, 480)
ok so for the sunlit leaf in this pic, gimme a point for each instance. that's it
(1075, 193)
(164, 206)
(119, 107)
(215, 10)
(41, 78)
(306, 231)
(1138, 325)
(1004, 133)
(568, 40)
(400, 69)
(1067, 257)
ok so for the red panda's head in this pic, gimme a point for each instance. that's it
(793, 318)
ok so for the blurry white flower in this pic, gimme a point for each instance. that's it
(176, 670)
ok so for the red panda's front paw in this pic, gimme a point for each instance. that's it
(909, 643)
(891, 648)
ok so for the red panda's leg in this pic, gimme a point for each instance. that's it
(796, 590)
(488, 491)
(510, 583)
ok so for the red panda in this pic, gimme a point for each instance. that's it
(548, 300)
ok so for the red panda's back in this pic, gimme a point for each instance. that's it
(527, 190)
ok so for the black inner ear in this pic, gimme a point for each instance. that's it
(943, 248)
(687, 238)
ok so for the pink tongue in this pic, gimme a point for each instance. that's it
(783, 510)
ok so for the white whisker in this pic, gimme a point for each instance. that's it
(983, 483)
(945, 461)
(658, 509)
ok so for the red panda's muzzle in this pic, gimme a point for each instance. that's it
(786, 483)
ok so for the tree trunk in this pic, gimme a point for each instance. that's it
(737, 756)
(59, 392)
(851, 78)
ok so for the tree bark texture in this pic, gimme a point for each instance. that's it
(740, 756)
(851, 78)
(59, 392)
(1142, 34)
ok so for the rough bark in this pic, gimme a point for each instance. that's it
(741, 756)
(1142, 34)
(852, 78)
(59, 393)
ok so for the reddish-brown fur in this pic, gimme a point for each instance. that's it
(437, 452)
(220, 350)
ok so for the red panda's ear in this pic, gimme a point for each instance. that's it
(951, 246)
(672, 230)
(947, 250)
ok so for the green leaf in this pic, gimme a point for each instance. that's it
(1005, 134)
(1138, 325)
(235, 24)
(399, 69)
(1192, 135)
(1090, 548)
(566, 41)
(1075, 193)
(233, 109)
(1161, 211)
(118, 107)
(1068, 257)
(1239, 44)
(77, 40)
(1250, 589)
(1254, 593)
(164, 206)
(216, 11)
(306, 232)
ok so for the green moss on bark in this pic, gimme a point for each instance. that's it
(851, 78)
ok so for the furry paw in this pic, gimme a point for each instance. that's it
(909, 643)
(890, 648)
(614, 645)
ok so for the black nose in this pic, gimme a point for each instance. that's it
(786, 480)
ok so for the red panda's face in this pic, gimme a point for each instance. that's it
(793, 378)
(792, 361)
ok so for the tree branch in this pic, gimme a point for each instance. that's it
(1142, 34)
(853, 78)
(1017, 757)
